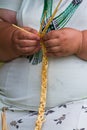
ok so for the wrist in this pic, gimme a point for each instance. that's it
(82, 51)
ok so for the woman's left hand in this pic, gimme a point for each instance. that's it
(63, 42)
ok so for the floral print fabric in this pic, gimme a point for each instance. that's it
(70, 116)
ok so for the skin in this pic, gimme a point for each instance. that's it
(8, 16)
(63, 42)
(26, 43)
(58, 43)
(22, 43)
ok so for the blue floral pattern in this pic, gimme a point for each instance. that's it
(72, 116)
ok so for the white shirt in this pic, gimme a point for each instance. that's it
(20, 81)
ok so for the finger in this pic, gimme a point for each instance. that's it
(32, 30)
(24, 35)
(32, 52)
(51, 43)
(54, 49)
(51, 35)
(58, 55)
(25, 50)
(27, 43)
(35, 50)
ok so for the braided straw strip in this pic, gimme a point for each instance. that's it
(40, 118)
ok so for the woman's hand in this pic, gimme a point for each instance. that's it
(25, 43)
(15, 42)
(63, 42)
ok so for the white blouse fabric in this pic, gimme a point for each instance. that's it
(20, 81)
(10, 4)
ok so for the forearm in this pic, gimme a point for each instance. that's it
(82, 53)
(7, 17)
(6, 51)
(15, 42)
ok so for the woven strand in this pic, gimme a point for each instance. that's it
(40, 118)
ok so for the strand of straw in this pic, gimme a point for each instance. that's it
(3, 117)
(51, 18)
(22, 29)
(40, 118)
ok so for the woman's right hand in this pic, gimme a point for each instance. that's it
(25, 43)
(13, 41)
